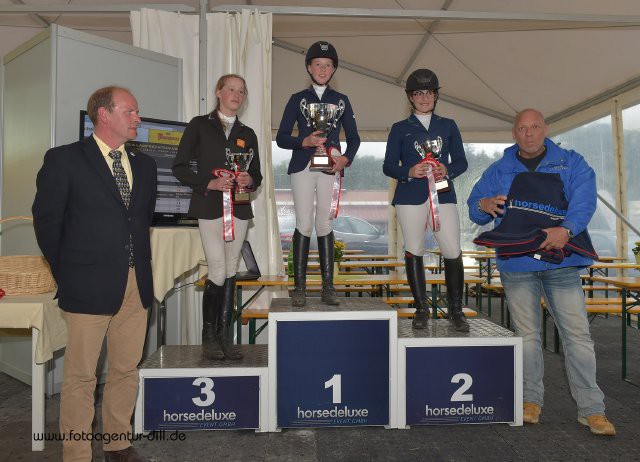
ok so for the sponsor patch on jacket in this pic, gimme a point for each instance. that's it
(240, 143)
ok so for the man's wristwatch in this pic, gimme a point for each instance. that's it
(569, 232)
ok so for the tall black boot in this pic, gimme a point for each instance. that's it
(300, 244)
(211, 303)
(454, 278)
(325, 251)
(415, 275)
(225, 317)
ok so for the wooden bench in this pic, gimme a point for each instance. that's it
(251, 315)
(346, 290)
(498, 289)
(409, 312)
(594, 307)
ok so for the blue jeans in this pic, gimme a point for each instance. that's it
(562, 291)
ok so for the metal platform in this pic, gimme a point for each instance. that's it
(190, 356)
(314, 305)
(441, 328)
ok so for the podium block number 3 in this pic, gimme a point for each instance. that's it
(460, 394)
(206, 389)
(335, 383)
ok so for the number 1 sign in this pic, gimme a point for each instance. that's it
(332, 373)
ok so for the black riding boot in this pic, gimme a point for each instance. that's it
(454, 278)
(225, 318)
(300, 245)
(325, 251)
(211, 302)
(415, 275)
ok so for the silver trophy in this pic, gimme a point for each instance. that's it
(239, 162)
(322, 117)
(432, 149)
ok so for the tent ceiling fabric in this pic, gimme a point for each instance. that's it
(488, 69)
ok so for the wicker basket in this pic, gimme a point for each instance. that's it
(25, 274)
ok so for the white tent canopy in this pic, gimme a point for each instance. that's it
(493, 58)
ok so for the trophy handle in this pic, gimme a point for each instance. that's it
(437, 145)
(419, 149)
(250, 157)
(304, 108)
(339, 112)
(229, 157)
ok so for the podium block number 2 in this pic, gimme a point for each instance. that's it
(460, 394)
(335, 383)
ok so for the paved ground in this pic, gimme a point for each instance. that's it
(557, 438)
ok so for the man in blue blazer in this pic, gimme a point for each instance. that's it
(92, 212)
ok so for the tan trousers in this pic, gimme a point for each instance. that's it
(125, 332)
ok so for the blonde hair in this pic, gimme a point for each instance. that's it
(221, 81)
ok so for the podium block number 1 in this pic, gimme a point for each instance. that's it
(335, 383)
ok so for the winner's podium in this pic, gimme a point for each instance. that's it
(332, 366)
(355, 364)
(179, 390)
(446, 377)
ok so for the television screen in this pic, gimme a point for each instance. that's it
(159, 139)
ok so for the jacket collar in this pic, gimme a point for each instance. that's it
(96, 160)
(327, 92)
(555, 155)
(413, 121)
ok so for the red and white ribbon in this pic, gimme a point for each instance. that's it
(335, 196)
(228, 228)
(337, 187)
(433, 194)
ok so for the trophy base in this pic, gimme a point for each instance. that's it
(240, 198)
(443, 186)
(320, 163)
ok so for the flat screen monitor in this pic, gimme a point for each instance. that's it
(159, 139)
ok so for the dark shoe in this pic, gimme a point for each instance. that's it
(298, 297)
(123, 455)
(211, 304)
(459, 322)
(225, 318)
(420, 319)
(329, 296)
(415, 275)
(325, 252)
(300, 244)
(454, 279)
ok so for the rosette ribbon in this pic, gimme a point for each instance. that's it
(228, 231)
(433, 193)
(337, 189)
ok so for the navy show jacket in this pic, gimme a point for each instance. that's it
(293, 115)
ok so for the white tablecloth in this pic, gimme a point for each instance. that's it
(40, 312)
(174, 251)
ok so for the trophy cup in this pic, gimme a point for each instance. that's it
(322, 117)
(239, 162)
(431, 149)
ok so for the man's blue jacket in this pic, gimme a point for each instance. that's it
(579, 181)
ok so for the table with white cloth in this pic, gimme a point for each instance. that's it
(40, 314)
(176, 254)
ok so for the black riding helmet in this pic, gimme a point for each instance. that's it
(321, 50)
(422, 79)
